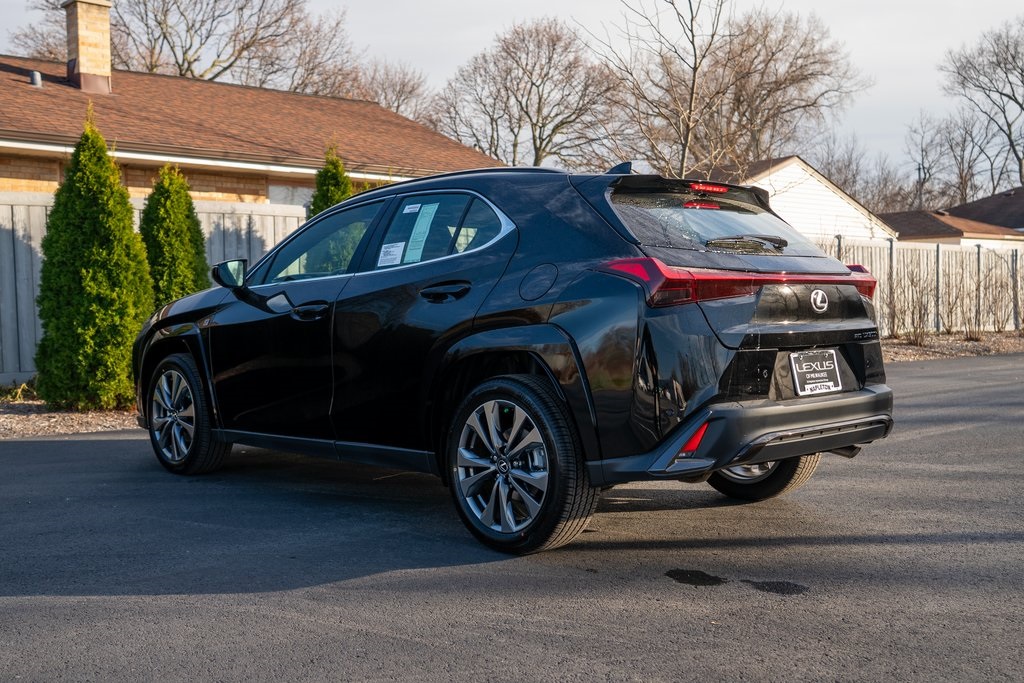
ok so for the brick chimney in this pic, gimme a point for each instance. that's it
(89, 44)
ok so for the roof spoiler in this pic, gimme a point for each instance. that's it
(656, 183)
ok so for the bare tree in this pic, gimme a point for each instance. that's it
(531, 98)
(976, 164)
(887, 188)
(663, 92)
(781, 77)
(990, 77)
(875, 182)
(44, 38)
(841, 160)
(705, 92)
(395, 86)
(276, 43)
(924, 146)
(322, 62)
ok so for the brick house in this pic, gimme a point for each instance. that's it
(250, 156)
(234, 143)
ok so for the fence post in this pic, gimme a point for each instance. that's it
(839, 247)
(892, 287)
(977, 293)
(1014, 260)
(938, 286)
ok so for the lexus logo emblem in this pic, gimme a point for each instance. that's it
(819, 301)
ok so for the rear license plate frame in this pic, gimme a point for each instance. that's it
(815, 372)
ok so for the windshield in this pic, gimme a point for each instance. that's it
(695, 221)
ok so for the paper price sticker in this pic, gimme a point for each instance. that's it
(391, 254)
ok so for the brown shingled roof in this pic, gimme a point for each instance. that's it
(933, 225)
(1003, 208)
(180, 116)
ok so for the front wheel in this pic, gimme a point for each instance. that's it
(180, 419)
(516, 467)
(765, 480)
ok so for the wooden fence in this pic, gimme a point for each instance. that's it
(921, 287)
(941, 287)
(232, 231)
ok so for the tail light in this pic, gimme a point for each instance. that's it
(671, 286)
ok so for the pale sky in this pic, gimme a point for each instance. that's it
(895, 43)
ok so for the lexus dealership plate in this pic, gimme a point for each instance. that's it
(815, 372)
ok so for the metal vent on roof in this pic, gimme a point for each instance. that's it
(36, 79)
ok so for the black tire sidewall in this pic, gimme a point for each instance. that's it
(770, 486)
(184, 365)
(554, 431)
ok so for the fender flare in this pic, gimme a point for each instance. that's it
(187, 335)
(557, 354)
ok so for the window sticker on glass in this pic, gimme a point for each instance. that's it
(411, 208)
(391, 254)
(419, 233)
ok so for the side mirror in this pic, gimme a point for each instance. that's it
(230, 274)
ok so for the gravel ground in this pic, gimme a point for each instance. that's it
(31, 418)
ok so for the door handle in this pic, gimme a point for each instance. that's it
(450, 291)
(309, 312)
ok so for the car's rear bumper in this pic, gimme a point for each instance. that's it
(758, 431)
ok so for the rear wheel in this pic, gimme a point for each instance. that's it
(765, 480)
(516, 467)
(180, 419)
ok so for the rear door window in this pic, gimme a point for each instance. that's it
(707, 223)
(428, 227)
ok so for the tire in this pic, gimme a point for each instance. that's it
(180, 420)
(765, 480)
(529, 491)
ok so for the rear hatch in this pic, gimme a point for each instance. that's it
(798, 316)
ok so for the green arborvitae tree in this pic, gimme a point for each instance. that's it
(95, 290)
(332, 184)
(174, 239)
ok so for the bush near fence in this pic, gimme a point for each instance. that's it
(232, 230)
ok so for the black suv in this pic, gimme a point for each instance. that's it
(531, 337)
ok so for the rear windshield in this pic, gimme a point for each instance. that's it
(703, 223)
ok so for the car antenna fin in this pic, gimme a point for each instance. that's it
(625, 168)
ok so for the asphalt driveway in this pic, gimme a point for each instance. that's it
(906, 563)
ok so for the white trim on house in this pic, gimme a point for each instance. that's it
(216, 164)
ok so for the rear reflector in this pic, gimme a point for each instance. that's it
(693, 443)
(670, 286)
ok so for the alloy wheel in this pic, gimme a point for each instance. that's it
(172, 412)
(502, 466)
(747, 474)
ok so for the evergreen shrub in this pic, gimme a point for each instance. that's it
(175, 246)
(95, 289)
(332, 183)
